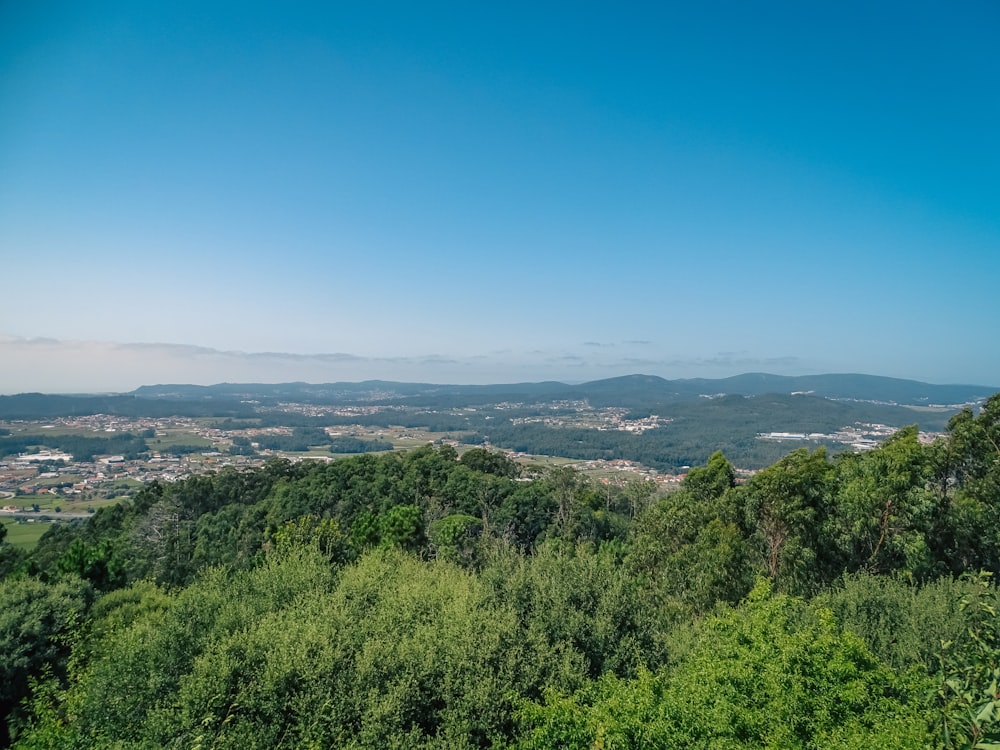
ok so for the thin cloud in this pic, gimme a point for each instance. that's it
(72, 366)
(36, 341)
(187, 350)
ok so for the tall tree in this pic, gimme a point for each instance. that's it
(883, 507)
(966, 526)
(784, 508)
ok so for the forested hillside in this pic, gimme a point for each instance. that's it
(426, 599)
(634, 391)
(691, 419)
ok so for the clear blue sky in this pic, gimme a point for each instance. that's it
(471, 192)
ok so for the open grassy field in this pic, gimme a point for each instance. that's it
(168, 438)
(412, 439)
(38, 428)
(401, 439)
(71, 504)
(24, 535)
(62, 479)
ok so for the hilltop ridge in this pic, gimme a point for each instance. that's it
(626, 390)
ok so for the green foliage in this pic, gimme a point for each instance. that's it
(785, 507)
(883, 507)
(184, 449)
(116, 611)
(966, 475)
(713, 480)
(490, 462)
(581, 602)
(901, 622)
(976, 449)
(697, 429)
(323, 534)
(524, 515)
(147, 644)
(401, 526)
(47, 406)
(774, 673)
(685, 548)
(12, 560)
(171, 531)
(38, 623)
(95, 563)
(418, 599)
(357, 445)
(301, 439)
(392, 653)
(456, 537)
(233, 535)
(83, 448)
(968, 696)
(365, 531)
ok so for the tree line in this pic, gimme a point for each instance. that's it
(81, 447)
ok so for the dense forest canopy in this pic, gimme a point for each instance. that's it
(426, 599)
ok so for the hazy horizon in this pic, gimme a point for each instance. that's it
(202, 192)
(135, 365)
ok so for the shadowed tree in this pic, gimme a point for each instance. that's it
(882, 507)
(784, 509)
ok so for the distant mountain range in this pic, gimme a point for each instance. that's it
(628, 391)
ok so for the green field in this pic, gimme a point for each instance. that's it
(47, 504)
(62, 479)
(38, 428)
(172, 437)
(24, 535)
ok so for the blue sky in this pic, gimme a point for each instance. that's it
(462, 192)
